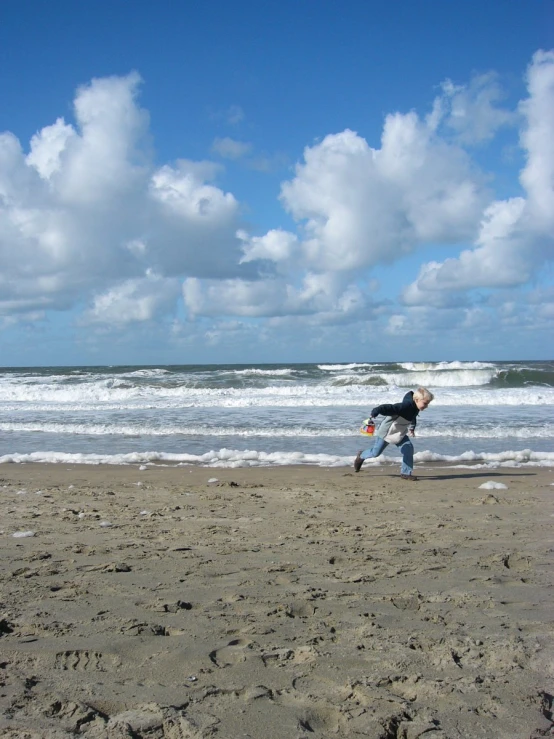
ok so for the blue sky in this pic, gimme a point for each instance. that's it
(291, 181)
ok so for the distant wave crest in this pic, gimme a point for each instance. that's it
(430, 377)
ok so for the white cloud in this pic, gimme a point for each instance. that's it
(229, 148)
(106, 159)
(277, 246)
(233, 297)
(472, 111)
(86, 207)
(398, 324)
(136, 300)
(181, 189)
(516, 235)
(361, 206)
(537, 139)
(317, 293)
(47, 147)
(88, 217)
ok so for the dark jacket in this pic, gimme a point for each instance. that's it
(407, 410)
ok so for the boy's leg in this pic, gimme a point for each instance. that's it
(378, 448)
(407, 450)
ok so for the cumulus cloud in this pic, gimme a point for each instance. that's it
(315, 293)
(277, 246)
(361, 206)
(47, 147)
(537, 139)
(356, 207)
(87, 217)
(473, 111)
(137, 300)
(516, 235)
(87, 207)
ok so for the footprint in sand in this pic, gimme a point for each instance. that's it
(84, 661)
(318, 718)
(232, 654)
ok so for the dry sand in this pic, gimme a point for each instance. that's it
(275, 603)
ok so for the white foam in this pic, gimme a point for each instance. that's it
(23, 534)
(252, 458)
(294, 397)
(434, 378)
(445, 366)
(491, 485)
(424, 431)
(505, 431)
(253, 372)
(121, 430)
(343, 367)
(148, 373)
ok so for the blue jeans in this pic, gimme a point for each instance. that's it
(406, 449)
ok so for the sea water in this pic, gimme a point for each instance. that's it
(492, 413)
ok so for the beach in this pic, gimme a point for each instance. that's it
(280, 602)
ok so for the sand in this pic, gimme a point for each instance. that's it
(296, 602)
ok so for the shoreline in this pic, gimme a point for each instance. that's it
(286, 602)
(383, 463)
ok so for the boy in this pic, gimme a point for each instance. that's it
(400, 420)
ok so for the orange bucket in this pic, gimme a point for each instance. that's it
(368, 428)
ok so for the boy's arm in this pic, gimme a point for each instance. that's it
(387, 409)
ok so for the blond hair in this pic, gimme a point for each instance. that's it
(423, 394)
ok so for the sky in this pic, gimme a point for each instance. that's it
(292, 181)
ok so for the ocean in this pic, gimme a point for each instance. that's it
(488, 413)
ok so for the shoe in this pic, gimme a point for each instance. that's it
(412, 478)
(358, 462)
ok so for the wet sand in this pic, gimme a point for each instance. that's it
(277, 603)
